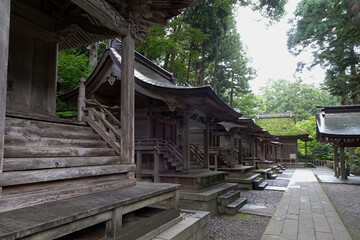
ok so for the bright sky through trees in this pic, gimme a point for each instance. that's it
(268, 50)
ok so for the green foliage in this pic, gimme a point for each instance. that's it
(280, 126)
(249, 104)
(72, 65)
(316, 150)
(355, 168)
(285, 96)
(202, 46)
(325, 28)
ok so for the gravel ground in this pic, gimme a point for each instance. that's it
(239, 226)
(244, 226)
(346, 200)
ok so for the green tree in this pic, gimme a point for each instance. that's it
(285, 96)
(326, 28)
(316, 150)
(249, 104)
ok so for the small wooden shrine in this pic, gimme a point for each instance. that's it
(283, 126)
(339, 125)
(56, 176)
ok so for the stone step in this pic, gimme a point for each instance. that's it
(228, 197)
(256, 182)
(233, 207)
(273, 176)
(262, 185)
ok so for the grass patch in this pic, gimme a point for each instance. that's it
(240, 216)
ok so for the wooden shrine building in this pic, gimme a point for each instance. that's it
(339, 125)
(56, 176)
(165, 116)
(282, 125)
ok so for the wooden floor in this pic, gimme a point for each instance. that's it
(30, 220)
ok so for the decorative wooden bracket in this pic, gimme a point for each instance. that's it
(112, 19)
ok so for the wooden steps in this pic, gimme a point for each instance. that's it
(48, 161)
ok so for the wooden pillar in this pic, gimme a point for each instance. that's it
(336, 161)
(156, 166)
(138, 165)
(240, 151)
(306, 154)
(114, 225)
(81, 100)
(127, 99)
(342, 164)
(232, 148)
(206, 146)
(216, 162)
(4, 52)
(186, 142)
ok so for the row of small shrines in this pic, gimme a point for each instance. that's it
(58, 176)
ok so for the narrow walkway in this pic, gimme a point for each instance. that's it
(305, 213)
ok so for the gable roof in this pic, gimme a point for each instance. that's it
(153, 81)
(339, 124)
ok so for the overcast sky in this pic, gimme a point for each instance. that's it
(266, 46)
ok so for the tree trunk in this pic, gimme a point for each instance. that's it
(189, 69)
(232, 89)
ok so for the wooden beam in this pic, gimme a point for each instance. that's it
(127, 99)
(112, 19)
(37, 176)
(105, 13)
(4, 52)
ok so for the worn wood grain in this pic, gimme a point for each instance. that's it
(19, 152)
(19, 164)
(27, 221)
(127, 99)
(36, 198)
(4, 49)
(36, 176)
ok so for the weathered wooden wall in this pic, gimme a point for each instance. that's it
(4, 43)
(32, 63)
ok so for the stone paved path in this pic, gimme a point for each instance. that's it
(305, 213)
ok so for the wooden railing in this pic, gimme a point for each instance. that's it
(317, 162)
(103, 122)
(224, 154)
(196, 153)
(162, 146)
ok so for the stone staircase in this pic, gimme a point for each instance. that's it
(230, 202)
(51, 161)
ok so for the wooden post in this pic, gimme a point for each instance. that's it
(206, 146)
(342, 163)
(232, 148)
(216, 162)
(114, 225)
(156, 166)
(138, 165)
(4, 52)
(336, 161)
(127, 99)
(81, 100)
(240, 152)
(186, 142)
(306, 154)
